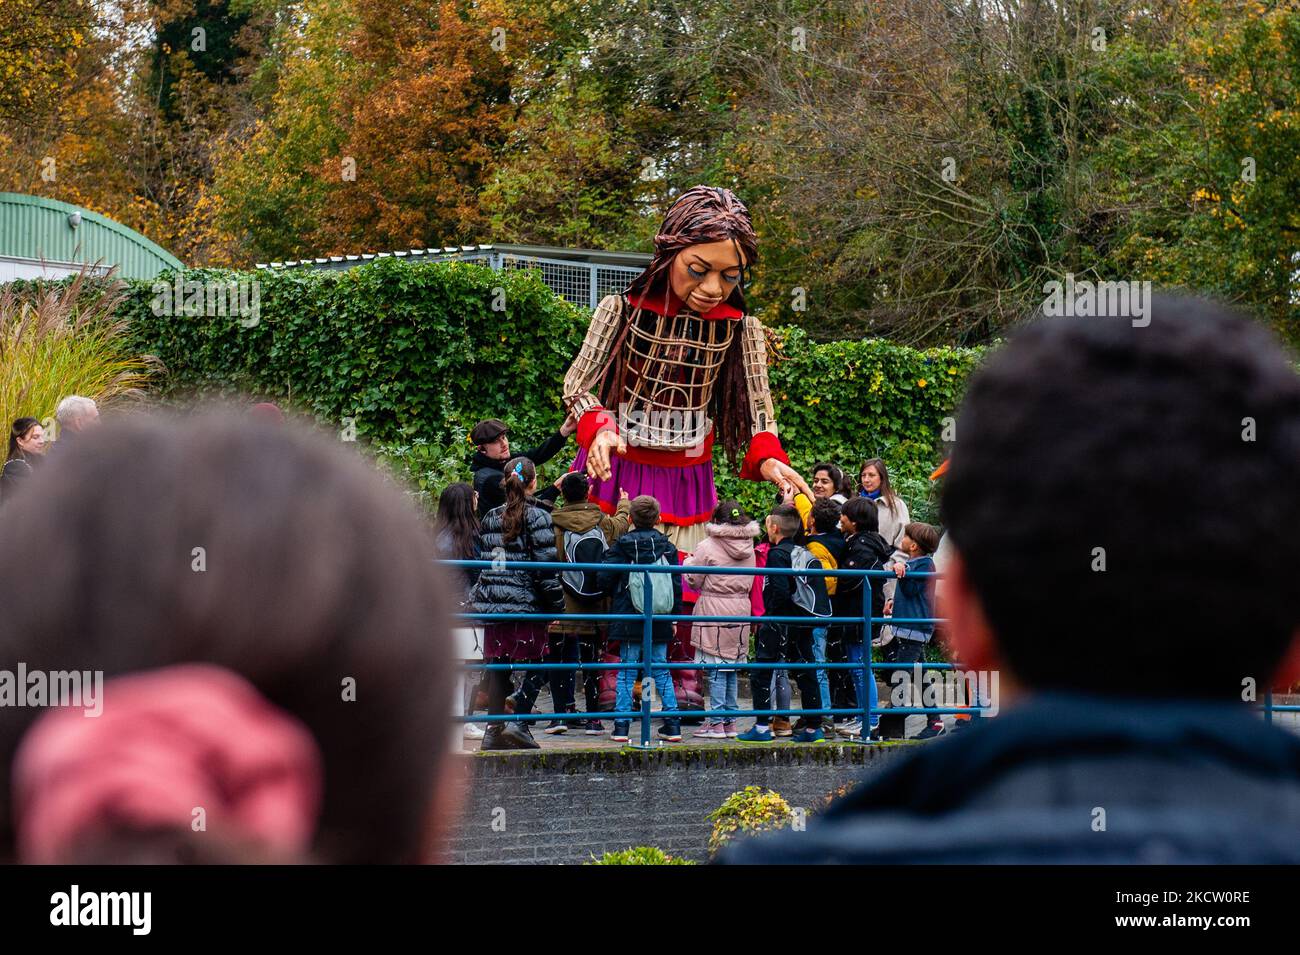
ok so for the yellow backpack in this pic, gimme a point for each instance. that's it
(828, 563)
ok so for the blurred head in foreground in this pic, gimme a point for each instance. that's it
(273, 640)
(1123, 505)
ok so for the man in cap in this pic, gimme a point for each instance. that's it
(492, 437)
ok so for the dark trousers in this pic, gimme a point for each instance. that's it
(566, 648)
(904, 652)
(844, 694)
(499, 686)
(776, 643)
(591, 649)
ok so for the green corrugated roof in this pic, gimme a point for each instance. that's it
(33, 227)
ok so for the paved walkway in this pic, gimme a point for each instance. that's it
(575, 738)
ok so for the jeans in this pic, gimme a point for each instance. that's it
(723, 686)
(819, 635)
(854, 653)
(630, 652)
(781, 689)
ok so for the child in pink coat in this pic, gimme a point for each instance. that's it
(730, 544)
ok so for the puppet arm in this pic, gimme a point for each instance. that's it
(765, 460)
(584, 374)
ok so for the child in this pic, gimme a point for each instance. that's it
(778, 641)
(642, 545)
(730, 544)
(457, 537)
(780, 686)
(582, 534)
(826, 543)
(519, 530)
(914, 598)
(864, 549)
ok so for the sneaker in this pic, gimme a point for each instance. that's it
(518, 736)
(781, 726)
(875, 736)
(729, 730)
(930, 732)
(620, 732)
(850, 729)
(755, 735)
(810, 735)
(492, 739)
(556, 727)
(671, 731)
(473, 731)
(709, 731)
(594, 728)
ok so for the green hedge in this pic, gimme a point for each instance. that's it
(415, 354)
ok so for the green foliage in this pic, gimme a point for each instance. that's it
(415, 353)
(407, 350)
(752, 809)
(639, 855)
(847, 401)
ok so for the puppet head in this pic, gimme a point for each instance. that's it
(716, 226)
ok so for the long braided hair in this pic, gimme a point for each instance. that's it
(701, 214)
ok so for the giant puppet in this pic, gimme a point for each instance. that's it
(671, 366)
(674, 364)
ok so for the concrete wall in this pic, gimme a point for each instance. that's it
(565, 807)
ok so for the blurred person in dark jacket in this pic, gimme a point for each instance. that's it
(1119, 610)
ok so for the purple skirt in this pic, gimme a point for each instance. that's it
(686, 495)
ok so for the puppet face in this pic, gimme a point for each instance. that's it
(704, 275)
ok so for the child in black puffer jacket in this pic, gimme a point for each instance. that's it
(517, 531)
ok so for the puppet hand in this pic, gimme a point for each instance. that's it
(598, 466)
(778, 473)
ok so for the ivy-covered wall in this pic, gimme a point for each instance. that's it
(416, 353)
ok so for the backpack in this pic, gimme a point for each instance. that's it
(805, 598)
(585, 548)
(661, 587)
(827, 563)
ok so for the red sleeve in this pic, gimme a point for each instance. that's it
(595, 420)
(762, 446)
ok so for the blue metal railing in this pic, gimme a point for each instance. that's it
(864, 711)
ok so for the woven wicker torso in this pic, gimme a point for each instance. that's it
(673, 365)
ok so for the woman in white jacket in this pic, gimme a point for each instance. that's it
(873, 484)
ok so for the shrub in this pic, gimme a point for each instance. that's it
(640, 855)
(65, 338)
(752, 809)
